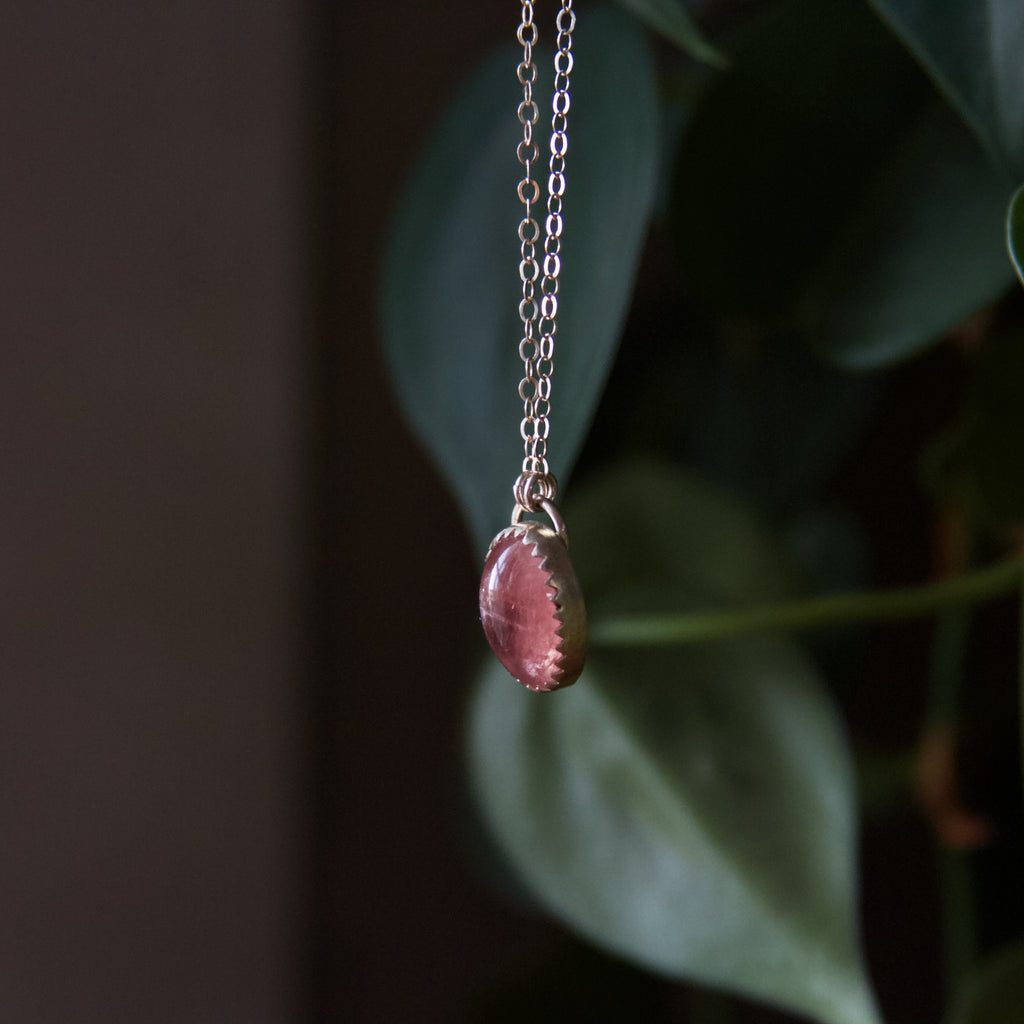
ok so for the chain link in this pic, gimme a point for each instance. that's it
(535, 484)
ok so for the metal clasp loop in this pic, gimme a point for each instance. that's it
(552, 513)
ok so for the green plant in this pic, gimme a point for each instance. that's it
(838, 199)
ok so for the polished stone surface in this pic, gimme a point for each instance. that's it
(531, 608)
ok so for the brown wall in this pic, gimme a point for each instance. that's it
(150, 191)
(232, 669)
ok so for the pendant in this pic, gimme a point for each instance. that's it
(531, 606)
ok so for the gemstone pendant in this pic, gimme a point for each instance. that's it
(531, 607)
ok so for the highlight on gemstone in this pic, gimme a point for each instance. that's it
(532, 609)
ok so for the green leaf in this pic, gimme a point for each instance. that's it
(449, 287)
(647, 534)
(1015, 232)
(783, 147)
(671, 19)
(996, 994)
(921, 251)
(973, 52)
(825, 177)
(689, 809)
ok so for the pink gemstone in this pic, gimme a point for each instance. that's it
(531, 607)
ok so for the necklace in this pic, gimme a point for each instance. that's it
(530, 602)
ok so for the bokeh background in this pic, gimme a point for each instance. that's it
(238, 604)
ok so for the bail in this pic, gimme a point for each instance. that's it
(548, 507)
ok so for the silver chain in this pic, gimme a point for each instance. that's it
(535, 484)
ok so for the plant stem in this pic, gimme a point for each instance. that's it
(905, 603)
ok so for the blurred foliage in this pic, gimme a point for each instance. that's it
(836, 196)
(779, 149)
(1015, 232)
(706, 829)
(671, 19)
(446, 289)
(972, 52)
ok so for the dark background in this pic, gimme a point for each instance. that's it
(235, 601)
(238, 604)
